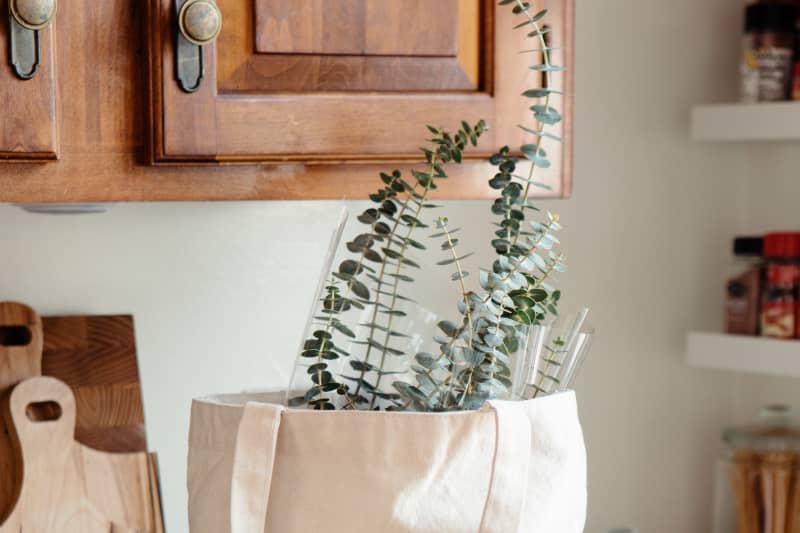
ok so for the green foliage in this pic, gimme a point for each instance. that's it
(474, 352)
(374, 276)
(473, 363)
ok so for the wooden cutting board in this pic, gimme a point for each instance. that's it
(20, 358)
(96, 357)
(66, 487)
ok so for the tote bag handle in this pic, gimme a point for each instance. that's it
(253, 461)
(512, 456)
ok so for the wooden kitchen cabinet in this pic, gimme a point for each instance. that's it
(301, 99)
(28, 131)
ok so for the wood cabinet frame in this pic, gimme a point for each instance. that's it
(214, 125)
(28, 119)
(109, 99)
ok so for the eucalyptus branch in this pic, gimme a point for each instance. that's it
(394, 288)
(430, 392)
(515, 198)
(552, 360)
(445, 148)
(533, 21)
(381, 281)
(450, 244)
(322, 348)
(467, 324)
(324, 339)
(517, 295)
(474, 357)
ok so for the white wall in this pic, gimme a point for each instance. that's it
(220, 292)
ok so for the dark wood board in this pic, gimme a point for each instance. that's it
(96, 357)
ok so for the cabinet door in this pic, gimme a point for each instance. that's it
(28, 118)
(346, 80)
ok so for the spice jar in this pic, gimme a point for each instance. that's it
(768, 52)
(779, 296)
(743, 289)
(761, 470)
(796, 81)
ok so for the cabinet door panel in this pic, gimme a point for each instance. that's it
(353, 45)
(355, 82)
(358, 27)
(28, 124)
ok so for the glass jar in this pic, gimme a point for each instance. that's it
(768, 52)
(743, 288)
(782, 275)
(796, 80)
(758, 478)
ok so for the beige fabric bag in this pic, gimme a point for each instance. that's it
(513, 467)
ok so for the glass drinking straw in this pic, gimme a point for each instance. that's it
(560, 358)
(527, 363)
(575, 361)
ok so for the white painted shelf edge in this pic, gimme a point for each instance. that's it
(774, 121)
(740, 353)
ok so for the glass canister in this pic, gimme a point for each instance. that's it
(768, 51)
(759, 477)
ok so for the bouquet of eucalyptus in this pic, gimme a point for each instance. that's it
(358, 355)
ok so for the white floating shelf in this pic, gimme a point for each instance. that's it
(740, 353)
(779, 121)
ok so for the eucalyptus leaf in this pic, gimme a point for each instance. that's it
(453, 260)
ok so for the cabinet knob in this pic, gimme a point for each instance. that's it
(200, 21)
(33, 14)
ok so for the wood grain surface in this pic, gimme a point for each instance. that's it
(155, 494)
(20, 353)
(20, 358)
(243, 122)
(96, 356)
(28, 129)
(66, 487)
(105, 115)
(322, 125)
(371, 61)
(358, 27)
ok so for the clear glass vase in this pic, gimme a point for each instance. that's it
(552, 357)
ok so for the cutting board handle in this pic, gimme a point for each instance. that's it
(43, 413)
(21, 343)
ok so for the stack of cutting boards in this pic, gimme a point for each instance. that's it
(50, 482)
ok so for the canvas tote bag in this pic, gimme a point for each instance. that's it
(513, 467)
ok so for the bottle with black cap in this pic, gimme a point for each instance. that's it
(768, 51)
(742, 306)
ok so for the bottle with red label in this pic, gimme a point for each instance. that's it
(779, 304)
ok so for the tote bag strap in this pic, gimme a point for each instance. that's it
(253, 460)
(506, 497)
